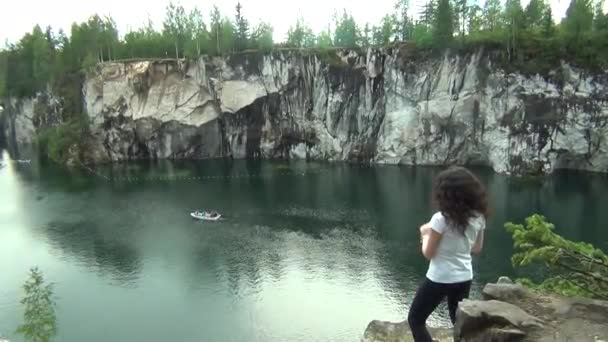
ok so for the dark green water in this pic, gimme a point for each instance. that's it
(307, 252)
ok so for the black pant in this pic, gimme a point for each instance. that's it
(428, 297)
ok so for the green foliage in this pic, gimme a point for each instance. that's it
(576, 268)
(300, 35)
(403, 22)
(56, 142)
(262, 37)
(346, 33)
(242, 29)
(492, 15)
(578, 22)
(535, 12)
(384, 34)
(443, 27)
(43, 57)
(324, 40)
(40, 323)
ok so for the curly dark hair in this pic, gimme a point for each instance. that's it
(460, 195)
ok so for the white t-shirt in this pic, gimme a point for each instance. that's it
(452, 261)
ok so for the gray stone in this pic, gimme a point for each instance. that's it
(382, 331)
(476, 318)
(505, 292)
(504, 280)
(496, 335)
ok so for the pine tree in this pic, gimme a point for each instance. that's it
(200, 36)
(242, 29)
(176, 27)
(403, 22)
(216, 30)
(443, 27)
(578, 21)
(514, 16)
(534, 13)
(427, 15)
(300, 35)
(262, 37)
(366, 37)
(548, 27)
(347, 32)
(382, 35)
(475, 19)
(324, 39)
(492, 12)
(600, 20)
(462, 11)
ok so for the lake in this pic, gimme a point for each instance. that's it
(306, 251)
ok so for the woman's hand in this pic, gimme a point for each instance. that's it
(425, 229)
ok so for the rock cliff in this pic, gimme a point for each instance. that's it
(380, 105)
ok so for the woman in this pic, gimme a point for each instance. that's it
(448, 240)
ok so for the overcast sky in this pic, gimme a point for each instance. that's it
(19, 16)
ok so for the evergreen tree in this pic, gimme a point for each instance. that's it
(462, 9)
(216, 30)
(262, 37)
(324, 39)
(383, 35)
(300, 35)
(492, 12)
(228, 36)
(475, 19)
(427, 15)
(176, 27)
(600, 20)
(242, 29)
(578, 21)
(200, 36)
(514, 17)
(443, 27)
(347, 32)
(403, 22)
(548, 27)
(366, 37)
(534, 13)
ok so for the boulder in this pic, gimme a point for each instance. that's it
(504, 292)
(504, 280)
(492, 321)
(382, 331)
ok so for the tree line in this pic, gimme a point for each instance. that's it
(45, 57)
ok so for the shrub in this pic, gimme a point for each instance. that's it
(575, 268)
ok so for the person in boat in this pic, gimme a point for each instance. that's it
(454, 232)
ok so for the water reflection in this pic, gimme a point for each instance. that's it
(303, 244)
(90, 245)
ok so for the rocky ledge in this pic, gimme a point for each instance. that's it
(510, 312)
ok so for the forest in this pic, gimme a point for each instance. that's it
(528, 35)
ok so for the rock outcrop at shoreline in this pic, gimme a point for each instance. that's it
(510, 312)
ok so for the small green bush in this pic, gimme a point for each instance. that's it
(55, 142)
(575, 268)
(40, 322)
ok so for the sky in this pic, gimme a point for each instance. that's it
(20, 16)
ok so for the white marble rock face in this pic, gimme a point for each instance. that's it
(374, 106)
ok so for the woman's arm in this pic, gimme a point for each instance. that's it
(478, 246)
(430, 241)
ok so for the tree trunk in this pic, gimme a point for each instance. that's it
(217, 39)
(176, 51)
